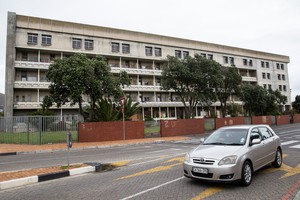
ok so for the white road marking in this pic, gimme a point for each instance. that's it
(296, 146)
(154, 188)
(289, 142)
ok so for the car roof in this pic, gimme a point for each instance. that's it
(244, 126)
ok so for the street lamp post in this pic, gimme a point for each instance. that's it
(122, 107)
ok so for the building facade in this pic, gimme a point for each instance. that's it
(33, 43)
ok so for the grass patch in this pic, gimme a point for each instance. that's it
(49, 137)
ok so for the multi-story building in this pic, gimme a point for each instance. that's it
(33, 43)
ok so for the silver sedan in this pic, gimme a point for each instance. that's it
(233, 153)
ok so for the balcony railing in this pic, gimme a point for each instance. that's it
(31, 65)
(137, 71)
(35, 85)
(249, 79)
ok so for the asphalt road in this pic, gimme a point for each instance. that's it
(154, 171)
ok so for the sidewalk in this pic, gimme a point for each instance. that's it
(12, 149)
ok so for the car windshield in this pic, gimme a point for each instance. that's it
(227, 137)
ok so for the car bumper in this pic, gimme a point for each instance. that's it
(225, 173)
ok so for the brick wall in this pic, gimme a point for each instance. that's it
(109, 131)
(181, 127)
(296, 118)
(220, 122)
(282, 119)
(262, 120)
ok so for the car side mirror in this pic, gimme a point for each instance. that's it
(202, 140)
(255, 141)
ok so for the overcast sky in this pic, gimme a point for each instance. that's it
(265, 25)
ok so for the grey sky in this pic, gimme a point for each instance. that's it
(265, 25)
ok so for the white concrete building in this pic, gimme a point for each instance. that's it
(33, 43)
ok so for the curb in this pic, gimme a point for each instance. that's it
(45, 177)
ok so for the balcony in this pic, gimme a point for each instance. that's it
(31, 85)
(32, 65)
(117, 70)
(249, 79)
(37, 105)
(145, 88)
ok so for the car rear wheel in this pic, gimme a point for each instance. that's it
(278, 159)
(246, 174)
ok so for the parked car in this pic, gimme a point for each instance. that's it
(233, 153)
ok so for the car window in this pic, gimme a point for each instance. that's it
(255, 134)
(227, 137)
(266, 133)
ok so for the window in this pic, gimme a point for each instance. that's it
(203, 55)
(282, 66)
(283, 77)
(270, 87)
(46, 39)
(148, 51)
(268, 75)
(280, 88)
(231, 60)
(264, 75)
(157, 51)
(125, 48)
(185, 54)
(245, 62)
(266, 133)
(89, 44)
(23, 75)
(265, 86)
(277, 65)
(225, 59)
(262, 63)
(177, 54)
(210, 57)
(115, 47)
(250, 63)
(24, 56)
(278, 77)
(284, 87)
(76, 43)
(267, 65)
(32, 38)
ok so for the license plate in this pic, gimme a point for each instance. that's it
(200, 170)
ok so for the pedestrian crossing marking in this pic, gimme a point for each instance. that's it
(296, 146)
(289, 142)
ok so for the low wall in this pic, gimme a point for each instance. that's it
(282, 119)
(262, 120)
(296, 118)
(109, 131)
(181, 127)
(220, 122)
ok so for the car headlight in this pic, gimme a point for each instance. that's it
(229, 160)
(187, 157)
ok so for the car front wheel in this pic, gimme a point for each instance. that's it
(278, 159)
(246, 174)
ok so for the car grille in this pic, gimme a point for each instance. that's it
(209, 175)
(203, 161)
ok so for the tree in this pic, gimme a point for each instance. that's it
(228, 84)
(254, 98)
(130, 108)
(296, 104)
(46, 104)
(190, 78)
(77, 75)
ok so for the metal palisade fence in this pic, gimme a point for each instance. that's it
(38, 129)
